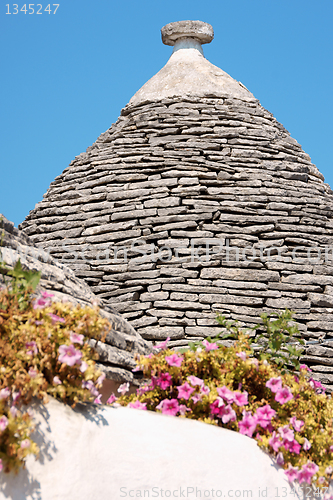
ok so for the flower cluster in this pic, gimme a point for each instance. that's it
(288, 415)
(44, 350)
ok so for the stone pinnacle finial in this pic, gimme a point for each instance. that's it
(200, 31)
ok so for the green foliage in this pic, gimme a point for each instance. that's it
(277, 338)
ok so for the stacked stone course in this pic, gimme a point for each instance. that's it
(174, 174)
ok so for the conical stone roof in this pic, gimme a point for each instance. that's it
(194, 162)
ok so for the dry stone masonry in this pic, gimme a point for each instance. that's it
(195, 201)
(122, 343)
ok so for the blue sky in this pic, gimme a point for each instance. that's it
(66, 76)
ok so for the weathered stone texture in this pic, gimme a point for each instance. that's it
(175, 174)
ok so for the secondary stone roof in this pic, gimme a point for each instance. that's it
(195, 160)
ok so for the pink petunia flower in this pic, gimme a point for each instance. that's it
(100, 379)
(69, 355)
(183, 409)
(97, 400)
(111, 399)
(226, 394)
(305, 474)
(89, 384)
(32, 372)
(31, 348)
(195, 380)
(83, 366)
(40, 303)
(210, 346)
(228, 414)
(174, 360)
(306, 445)
(162, 345)
(184, 391)
(286, 433)
(204, 390)
(264, 415)
(216, 407)
(76, 338)
(56, 319)
(56, 380)
(292, 446)
(4, 393)
(248, 425)
(283, 395)
(304, 367)
(275, 442)
(291, 473)
(137, 405)
(164, 380)
(241, 398)
(123, 388)
(274, 384)
(241, 355)
(329, 470)
(196, 398)
(168, 407)
(297, 424)
(280, 458)
(3, 423)
(25, 444)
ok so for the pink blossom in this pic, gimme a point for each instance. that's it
(286, 433)
(148, 356)
(184, 391)
(283, 395)
(89, 384)
(297, 424)
(304, 367)
(69, 355)
(265, 413)
(248, 425)
(56, 380)
(195, 380)
(16, 396)
(3, 423)
(291, 473)
(32, 372)
(196, 398)
(168, 407)
(13, 411)
(164, 380)
(292, 446)
(83, 366)
(228, 414)
(240, 398)
(226, 394)
(41, 302)
(280, 458)
(100, 379)
(174, 360)
(210, 346)
(183, 409)
(111, 399)
(162, 345)
(274, 384)
(97, 400)
(138, 368)
(76, 338)
(138, 405)
(216, 407)
(305, 474)
(56, 319)
(321, 480)
(275, 442)
(329, 470)
(25, 444)
(4, 393)
(31, 348)
(306, 445)
(1, 466)
(241, 355)
(123, 388)
(204, 390)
